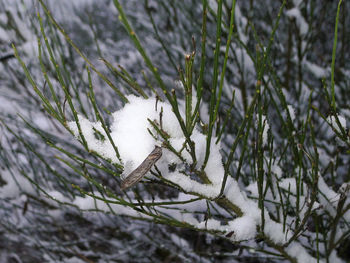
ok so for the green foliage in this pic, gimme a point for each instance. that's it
(256, 65)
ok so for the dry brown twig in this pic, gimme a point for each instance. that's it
(135, 176)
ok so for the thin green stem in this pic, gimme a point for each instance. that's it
(333, 57)
(213, 88)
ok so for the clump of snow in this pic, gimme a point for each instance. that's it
(74, 260)
(214, 169)
(3, 36)
(241, 22)
(297, 251)
(14, 185)
(345, 189)
(210, 224)
(55, 213)
(291, 112)
(244, 228)
(328, 198)
(55, 195)
(266, 128)
(213, 5)
(318, 71)
(239, 229)
(90, 203)
(179, 241)
(239, 198)
(245, 60)
(290, 184)
(130, 124)
(89, 131)
(333, 121)
(192, 186)
(276, 169)
(275, 232)
(300, 20)
(334, 258)
(130, 133)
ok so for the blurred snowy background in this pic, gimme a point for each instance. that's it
(35, 228)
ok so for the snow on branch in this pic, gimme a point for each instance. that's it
(134, 133)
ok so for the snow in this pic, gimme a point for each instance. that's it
(3, 18)
(334, 258)
(245, 60)
(3, 35)
(333, 122)
(56, 195)
(345, 189)
(90, 203)
(328, 198)
(56, 213)
(300, 20)
(213, 5)
(239, 198)
(192, 186)
(15, 185)
(318, 71)
(276, 170)
(41, 121)
(210, 224)
(297, 251)
(103, 147)
(266, 128)
(7, 106)
(241, 228)
(241, 22)
(275, 232)
(291, 112)
(74, 260)
(129, 128)
(129, 131)
(244, 228)
(290, 184)
(179, 241)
